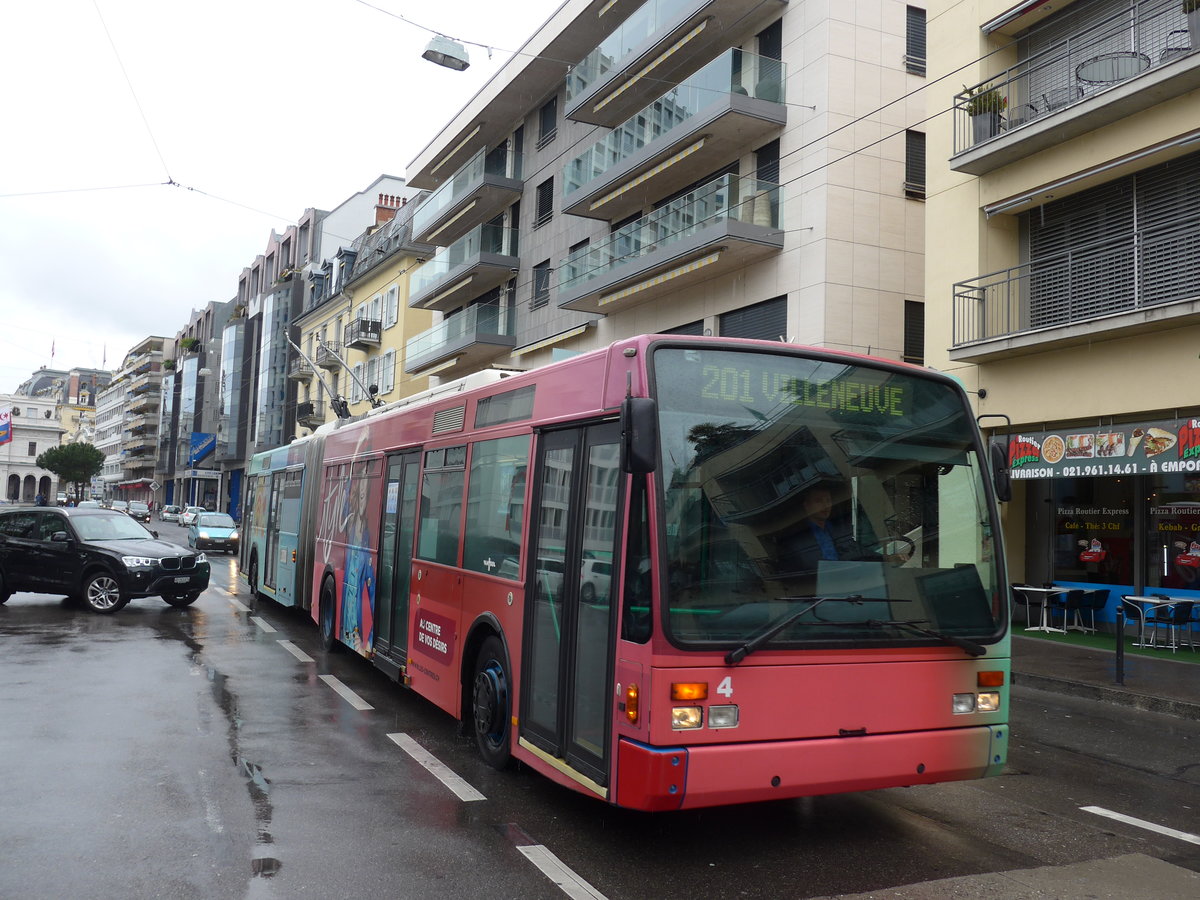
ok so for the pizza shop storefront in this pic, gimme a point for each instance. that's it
(1116, 507)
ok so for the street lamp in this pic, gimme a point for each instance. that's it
(444, 51)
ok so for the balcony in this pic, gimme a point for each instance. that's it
(139, 444)
(720, 227)
(464, 341)
(362, 334)
(1147, 280)
(144, 383)
(329, 356)
(143, 403)
(299, 369)
(483, 259)
(310, 413)
(733, 102)
(1137, 57)
(658, 45)
(482, 189)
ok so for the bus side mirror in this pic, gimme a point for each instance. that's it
(639, 435)
(1001, 477)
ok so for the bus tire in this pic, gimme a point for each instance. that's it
(491, 704)
(328, 612)
(252, 576)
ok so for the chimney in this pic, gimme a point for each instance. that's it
(385, 209)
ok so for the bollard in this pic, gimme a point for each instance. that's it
(1121, 643)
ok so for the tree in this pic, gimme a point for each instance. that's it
(73, 463)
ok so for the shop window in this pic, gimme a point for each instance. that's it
(1092, 540)
(1173, 538)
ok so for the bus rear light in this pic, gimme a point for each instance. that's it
(689, 690)
(685, 717)
(989, 679)
(723, 716)
(631, 704)
(989, 701)
(963, 703)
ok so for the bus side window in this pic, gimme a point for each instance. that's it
(636, 620)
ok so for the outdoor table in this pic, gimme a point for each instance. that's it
(1044, 601)
(1153, 603)
(1112, 67)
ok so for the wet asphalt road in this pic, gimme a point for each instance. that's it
(189, 754)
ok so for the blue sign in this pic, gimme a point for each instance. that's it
(203, 443)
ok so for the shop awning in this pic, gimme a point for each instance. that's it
(1142, 448)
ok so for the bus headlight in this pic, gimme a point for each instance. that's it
(684, 717)
(963, 703)
(988, 701)
(723, 716)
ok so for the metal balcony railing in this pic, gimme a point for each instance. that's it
(310, 412)
(1134, 39)
(299, 368)
(1149, 267)
(363, 333)
(328, 355)
(728, 197)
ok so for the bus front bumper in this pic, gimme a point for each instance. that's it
(656, 778)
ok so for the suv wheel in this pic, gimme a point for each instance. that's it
(3, 589)
(179, 601)
(102, 593)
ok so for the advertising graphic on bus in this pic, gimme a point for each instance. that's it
(674, 573)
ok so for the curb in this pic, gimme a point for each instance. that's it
(1116, 695)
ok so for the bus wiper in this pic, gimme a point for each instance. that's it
(733, 657)
(966, 644)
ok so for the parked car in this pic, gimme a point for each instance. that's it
(170, 513)
(213, 531)
(188, 516)
(139, 510)
(595, 580)
(99, 556)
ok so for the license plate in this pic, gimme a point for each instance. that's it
(183, 580)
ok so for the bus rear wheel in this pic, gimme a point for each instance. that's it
(328, 611)
(252, 576)
(490, 704)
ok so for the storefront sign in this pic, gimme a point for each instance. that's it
(1165, 446)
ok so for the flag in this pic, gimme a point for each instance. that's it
(5, 424)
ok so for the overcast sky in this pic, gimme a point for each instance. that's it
(258, 109)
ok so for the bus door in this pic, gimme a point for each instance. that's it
(395, 557)
(569, 621)
(270, 566)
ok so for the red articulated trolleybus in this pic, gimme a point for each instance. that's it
(677, 572)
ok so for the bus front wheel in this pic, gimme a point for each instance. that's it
(328, 611)
(490, 704)
(252, 576)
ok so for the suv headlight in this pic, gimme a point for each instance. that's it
(138, 562)
(201, 558)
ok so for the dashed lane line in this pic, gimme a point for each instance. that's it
(238, 605)
(296, 651)
(436, 768)
(1142, 823)
(570, 882)
(345, 693)
(263, 624)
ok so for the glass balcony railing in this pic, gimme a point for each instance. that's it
(501, 162)
(1136, 38)
(632, 33)
(483, 239)
(733, 72)
(729, 197)
(479, 322)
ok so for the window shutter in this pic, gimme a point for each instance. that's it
(914, 46)
(392, 311)
(765, 321)
(914, 332)
(545, 203)
(914, 165)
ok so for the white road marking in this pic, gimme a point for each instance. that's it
(238, 605)
(436, 768)
(345, 693)
(263, 624)
(1142, 823)
(560, 873)
(296, 651)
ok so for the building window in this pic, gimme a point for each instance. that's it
(387, 373)
(391, 311)
(541, 285)
(544, 203)
(766, 162)
(33, 448)
(914, 44)
(766, 321)
(547, 122)
(914, 165)
(914, 332)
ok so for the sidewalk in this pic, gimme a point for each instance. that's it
(1155, 685)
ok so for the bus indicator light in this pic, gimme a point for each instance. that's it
(990, 679)
(689, 691)
(631, 704)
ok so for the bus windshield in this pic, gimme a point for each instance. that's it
(820, 503)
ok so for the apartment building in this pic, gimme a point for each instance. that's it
(1064, 199)
(728, 167)
(356, 323)
(127, 422)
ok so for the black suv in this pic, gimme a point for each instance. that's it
(99, 556)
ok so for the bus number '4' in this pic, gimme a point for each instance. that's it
(725, 688)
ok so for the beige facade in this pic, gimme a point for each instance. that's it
(1064, 286)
